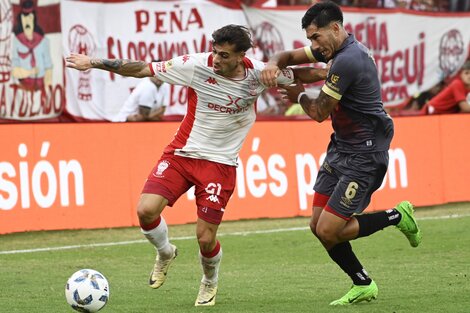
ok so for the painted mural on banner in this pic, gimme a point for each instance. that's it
(139, 30)
(31, 67)
(413, 52)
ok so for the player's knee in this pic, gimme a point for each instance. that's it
(146, 212)
(313, 228)
(206, 240)
(206, 243)
(150, 207)
(327, 236)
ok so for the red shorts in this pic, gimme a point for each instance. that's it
(174, 175)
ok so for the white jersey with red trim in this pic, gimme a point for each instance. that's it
(220, 110)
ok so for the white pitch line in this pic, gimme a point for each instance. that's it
(243, 233)
(442, 217)
(130, 242)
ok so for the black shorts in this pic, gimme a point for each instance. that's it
(349, 179)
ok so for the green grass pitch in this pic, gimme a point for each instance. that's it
(268, 266)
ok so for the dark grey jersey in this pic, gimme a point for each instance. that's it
(360, 121)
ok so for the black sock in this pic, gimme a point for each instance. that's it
(343, 255)
(370, 223)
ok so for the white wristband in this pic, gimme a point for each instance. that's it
(300, 96)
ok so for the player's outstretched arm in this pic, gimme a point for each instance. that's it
(122, 67)
(281, 60)
(309, 75)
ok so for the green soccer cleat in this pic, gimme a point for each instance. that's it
(408, 225)
(358, 294)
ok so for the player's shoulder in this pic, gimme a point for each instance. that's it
(251, 63)
(347, 59)
(192, 58)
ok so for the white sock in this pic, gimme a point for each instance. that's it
(159, 238)
(210, 267)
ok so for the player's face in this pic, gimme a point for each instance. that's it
(226, 60)
(465, 75)
(323, 39)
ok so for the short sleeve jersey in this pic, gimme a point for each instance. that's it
(447, 101)
(145, 94)
(152, 96)
(360, 122)
(220, 110)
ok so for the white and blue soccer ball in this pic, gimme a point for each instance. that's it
(87, 290)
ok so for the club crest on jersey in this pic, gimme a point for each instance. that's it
(185, 58)
(162, 166)
(253, 85)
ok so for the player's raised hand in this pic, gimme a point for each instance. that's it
(292, 91)
(269, 75)
(79, 62)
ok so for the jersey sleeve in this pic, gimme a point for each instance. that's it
(341, 75)
(177, 71)
(286, 77)
(314, 56)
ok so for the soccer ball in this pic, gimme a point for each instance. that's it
(87, 291)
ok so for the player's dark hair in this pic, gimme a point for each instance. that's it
(237, 35)
(321, 14)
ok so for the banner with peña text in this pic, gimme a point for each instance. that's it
(413, 50)
(139, 30)
(31, 66)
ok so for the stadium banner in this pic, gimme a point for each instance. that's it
(31, 66)
(139, 30)
(413, 50)
(53, 176)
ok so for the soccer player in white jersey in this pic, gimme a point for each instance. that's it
(223, 87)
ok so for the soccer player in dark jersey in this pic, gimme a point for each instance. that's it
(357, 155)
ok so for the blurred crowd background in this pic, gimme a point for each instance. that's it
(419, 5)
